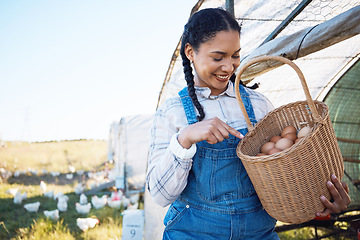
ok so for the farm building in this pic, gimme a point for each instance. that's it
(322, 38)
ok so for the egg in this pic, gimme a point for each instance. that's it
(304, 132)
(275, 139)
(298, 139)
(274, 150)
(267, 146)
(284, 143)
(291, 136)
(288, 129)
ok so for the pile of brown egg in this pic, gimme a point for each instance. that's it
(288, 137)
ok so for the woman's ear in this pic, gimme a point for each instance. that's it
(189, 52)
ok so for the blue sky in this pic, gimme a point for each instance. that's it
(68, 69)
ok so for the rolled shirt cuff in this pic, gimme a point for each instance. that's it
(179, 151)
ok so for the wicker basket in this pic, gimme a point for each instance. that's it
(290, 183)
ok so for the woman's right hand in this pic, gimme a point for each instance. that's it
(212, 130)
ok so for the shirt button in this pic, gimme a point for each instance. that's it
(187, 206)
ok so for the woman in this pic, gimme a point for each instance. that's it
(192, 161)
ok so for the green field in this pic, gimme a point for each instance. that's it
(36, 161)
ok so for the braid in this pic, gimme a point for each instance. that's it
(189, 77)
(202, 27)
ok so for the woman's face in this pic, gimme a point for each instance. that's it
(215, 61)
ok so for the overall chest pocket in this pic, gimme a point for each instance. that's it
(220, 175)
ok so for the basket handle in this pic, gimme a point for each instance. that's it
(311, 104)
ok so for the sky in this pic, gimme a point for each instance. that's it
(68, 69)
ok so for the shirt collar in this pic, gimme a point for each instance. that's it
(205, 92)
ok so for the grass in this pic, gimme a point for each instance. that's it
(53, 156)
(17, 223)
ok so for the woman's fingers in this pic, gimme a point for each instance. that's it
(342, 191)
(345, 186)
(212, 130)
(232, 131)
(219, 130)
(339, 193)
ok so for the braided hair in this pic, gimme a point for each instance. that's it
(202, 27)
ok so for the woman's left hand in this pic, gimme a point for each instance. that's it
(340, 195)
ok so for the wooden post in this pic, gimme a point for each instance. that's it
(229, 5)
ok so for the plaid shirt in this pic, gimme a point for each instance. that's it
(168, 163)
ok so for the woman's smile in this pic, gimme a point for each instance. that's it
(216, 61)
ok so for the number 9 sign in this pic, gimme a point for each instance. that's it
(133, 225)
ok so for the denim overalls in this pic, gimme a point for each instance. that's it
(219, 201)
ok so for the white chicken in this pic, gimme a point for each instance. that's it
(69, 176)
(49, 194)
(125, 202)
(55, 174)
(79, 188)
(114, 203)
(115, 200)
(71, 168)
(83, 199)
(99, 202)
(19, 197)
(86, 223)
(17, 173)
(43, 186)
(54, 214)
(32, 207)
(58, 195)
(62, 204)
(12, 191)
(134, 198)
(83, 209)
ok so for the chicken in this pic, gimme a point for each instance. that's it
(114, 203)
(125, 202)
(54, 214)
(79, 188)
(49, 194)
(17, 173)
(133, 206)
(19, 197)
(32, 207)
(12, 191)
(62, 204)
(83, 199)
(71, 168)
(99, 202)
(69, 176)
(60, 195)
(115, 200)
(55, 174)
(83, 209)
(134, 198)
(43, 186)
(86, 223)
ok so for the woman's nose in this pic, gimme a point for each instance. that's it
(228, 66)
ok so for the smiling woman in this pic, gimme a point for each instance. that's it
(215, 61)
(192, 162)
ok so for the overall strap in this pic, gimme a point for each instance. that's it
(190, 110)
(245, 97)
(188, 106)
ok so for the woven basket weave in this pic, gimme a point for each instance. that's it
(290, 183)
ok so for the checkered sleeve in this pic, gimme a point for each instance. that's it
(168, 164)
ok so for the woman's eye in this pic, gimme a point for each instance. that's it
(236, 56)
(217, 59)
